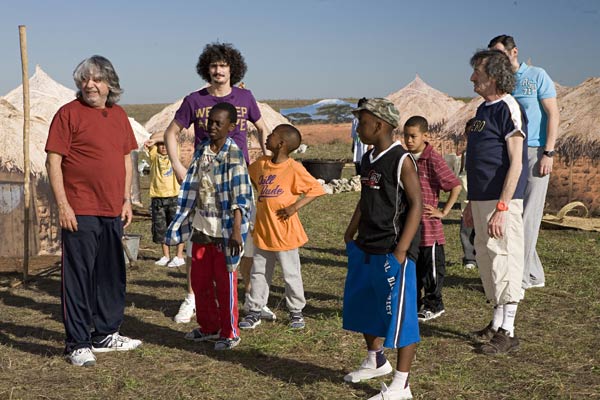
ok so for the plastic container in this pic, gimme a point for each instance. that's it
(324, 169)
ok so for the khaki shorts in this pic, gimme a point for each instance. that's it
(500, 261)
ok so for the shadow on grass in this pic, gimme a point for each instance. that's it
(21, 302)
(471, 283)
(25, 344)
(335, 251)
(323, 262)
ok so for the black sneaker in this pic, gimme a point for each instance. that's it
(297, 320)
(251, 320)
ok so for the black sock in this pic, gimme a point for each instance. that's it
(380, 358)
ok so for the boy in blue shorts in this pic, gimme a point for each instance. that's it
(380, 291)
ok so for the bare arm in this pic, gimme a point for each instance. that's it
(515, 155)
(66, 215)
(126, 211)
(263, 132)
(170, 140)
(353, 224)
(235, 241)
(434, 212)
(412, 188)
(286, 212)
(551, 108)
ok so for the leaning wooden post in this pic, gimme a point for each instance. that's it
(26, 169)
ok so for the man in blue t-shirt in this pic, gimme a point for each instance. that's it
(535, 91)
(496, 179)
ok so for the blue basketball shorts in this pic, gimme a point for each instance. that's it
(380, 297)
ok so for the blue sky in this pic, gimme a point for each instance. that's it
(298, 49)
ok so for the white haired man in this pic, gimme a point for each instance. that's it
(89, 166)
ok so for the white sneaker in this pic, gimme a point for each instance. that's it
(176, 262)
(187, 310)
(162, 262)
(470, 266)
(115, 342)
(266, 313)
(82, 357)
(365, 372)
(391, 394)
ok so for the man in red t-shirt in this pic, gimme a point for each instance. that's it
(89, 167)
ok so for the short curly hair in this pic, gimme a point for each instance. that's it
(497, 66)
(215, 52)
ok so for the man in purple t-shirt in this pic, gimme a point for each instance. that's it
(222, 66)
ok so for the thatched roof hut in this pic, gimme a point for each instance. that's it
(43, 228)
(11, 141)
(46, 95)
(418, 98)
(579, 133)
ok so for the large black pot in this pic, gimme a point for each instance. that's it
(324, 169)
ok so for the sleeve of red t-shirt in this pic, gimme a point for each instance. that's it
(131, 142)
(60, 133)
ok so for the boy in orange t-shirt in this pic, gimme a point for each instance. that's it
(278, 232)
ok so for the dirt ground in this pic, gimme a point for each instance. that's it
(325, 133)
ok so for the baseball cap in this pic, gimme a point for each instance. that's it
(381, 108)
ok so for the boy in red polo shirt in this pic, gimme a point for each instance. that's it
(434, 175)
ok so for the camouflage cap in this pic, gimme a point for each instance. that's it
(381, 108)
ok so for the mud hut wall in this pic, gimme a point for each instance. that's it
(577, 180)
(47, 221)
(12, 215)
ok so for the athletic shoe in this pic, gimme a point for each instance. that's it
(485, 334)
(227, 343)
(187, 310)
(162, 262)
(266, 313)
(470, 266)
(500, 343)
(115, 342)
(82, 357)
(251, 320)
(365, 372)
(297, 320)
(176, 262)
(392, 394)
(197, 336)
(426, 315)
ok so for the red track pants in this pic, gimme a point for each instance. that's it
(215, 290)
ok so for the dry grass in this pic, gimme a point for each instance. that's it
(558, 326)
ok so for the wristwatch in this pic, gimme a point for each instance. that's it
(549, 153)
(501, 206)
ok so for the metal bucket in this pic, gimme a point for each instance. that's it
(132, 243)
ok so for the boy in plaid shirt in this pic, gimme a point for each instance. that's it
(434, 175)
(214, 206)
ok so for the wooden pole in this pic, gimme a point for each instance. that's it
(26, 168)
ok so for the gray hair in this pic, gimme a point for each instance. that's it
(497, 66)
(102, 68)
